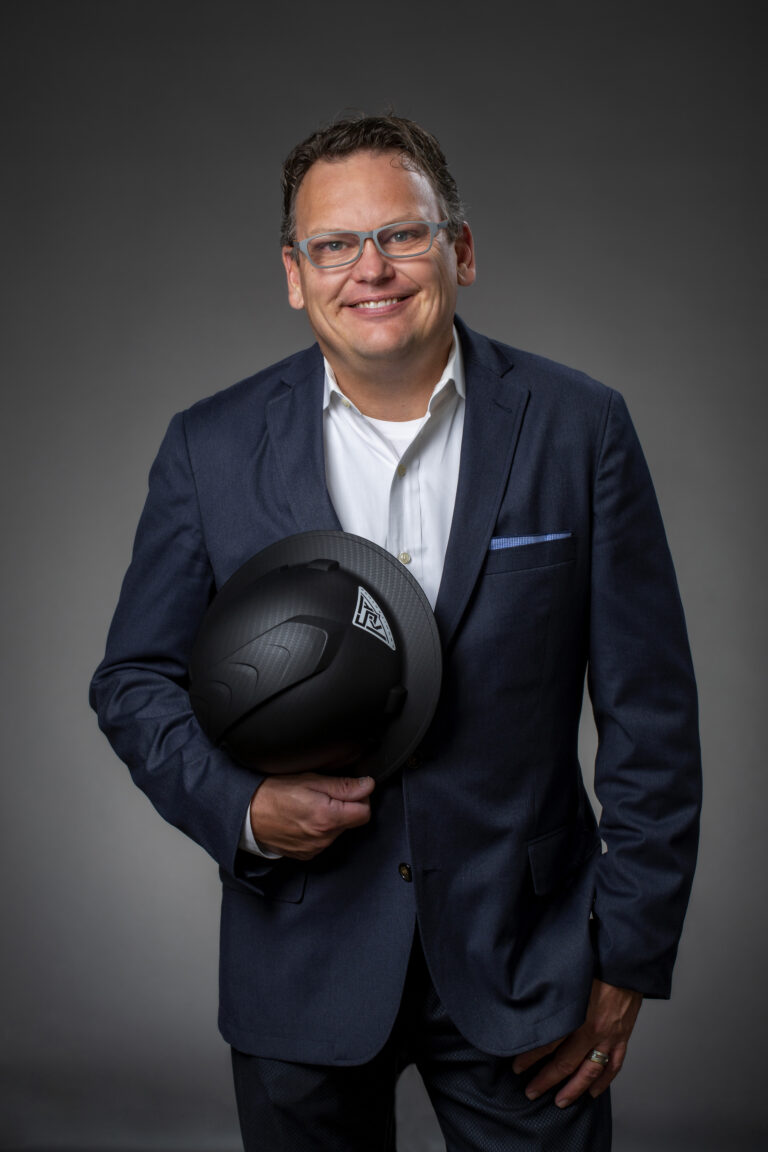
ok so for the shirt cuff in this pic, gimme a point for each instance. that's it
(249, 842)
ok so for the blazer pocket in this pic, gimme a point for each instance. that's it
(522, 557)
(556, 856)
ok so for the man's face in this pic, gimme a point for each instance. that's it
(414, 299)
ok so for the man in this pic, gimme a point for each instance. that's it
(460, 914)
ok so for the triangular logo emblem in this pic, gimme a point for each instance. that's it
(370, 618)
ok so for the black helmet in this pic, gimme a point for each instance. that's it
(320, 654)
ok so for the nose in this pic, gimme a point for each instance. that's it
(371, 264)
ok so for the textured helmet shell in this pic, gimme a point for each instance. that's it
(297, 669)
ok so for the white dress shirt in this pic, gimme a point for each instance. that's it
(394, 481)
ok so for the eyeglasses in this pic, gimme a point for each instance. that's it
(395, 241)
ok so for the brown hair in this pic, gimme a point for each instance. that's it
(418, 150)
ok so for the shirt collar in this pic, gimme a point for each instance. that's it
(453, 373)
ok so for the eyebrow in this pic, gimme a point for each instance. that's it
(386, 224)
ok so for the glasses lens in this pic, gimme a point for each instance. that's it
(333, 248)
(408, 238)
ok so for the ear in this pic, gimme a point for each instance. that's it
(293, 276)
(464, 247)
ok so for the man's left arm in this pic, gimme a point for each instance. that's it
(647, 770)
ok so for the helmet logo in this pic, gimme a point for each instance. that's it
(370, 618)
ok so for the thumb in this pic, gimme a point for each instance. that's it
(346, 788)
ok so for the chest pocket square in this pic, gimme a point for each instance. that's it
(499, 542)
(517, 553)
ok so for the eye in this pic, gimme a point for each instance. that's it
(330, 244)
(331, 248)
(401, 236)
(406, 238)
(333, 242)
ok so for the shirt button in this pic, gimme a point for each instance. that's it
(401, 469)
(345, 402)
(405, 557)
(405, 872)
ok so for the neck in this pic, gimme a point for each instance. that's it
(387, 389)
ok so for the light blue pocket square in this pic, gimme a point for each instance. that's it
(517, 541)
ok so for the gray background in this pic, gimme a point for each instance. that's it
(613, 164)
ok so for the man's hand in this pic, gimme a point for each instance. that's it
(611, 1016)
(301, 815)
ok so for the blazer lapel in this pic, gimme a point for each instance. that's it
(495, 406)
(295, 423)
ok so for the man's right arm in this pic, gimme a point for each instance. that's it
(140, 694)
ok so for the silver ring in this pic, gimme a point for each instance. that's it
(599, 1057)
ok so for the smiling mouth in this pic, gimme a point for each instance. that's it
(372, 305)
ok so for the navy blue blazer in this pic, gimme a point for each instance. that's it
(517, 905)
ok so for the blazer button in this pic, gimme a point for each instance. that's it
(405, 872)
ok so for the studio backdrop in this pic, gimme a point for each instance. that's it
(613, 164)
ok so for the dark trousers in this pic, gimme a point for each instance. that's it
(479, 1101)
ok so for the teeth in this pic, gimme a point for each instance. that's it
(377, 303)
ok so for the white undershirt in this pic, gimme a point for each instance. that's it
(394, 481)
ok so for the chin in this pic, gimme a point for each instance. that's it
(386, 342)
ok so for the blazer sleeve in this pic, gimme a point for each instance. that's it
(139, 691)
(641, 683)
